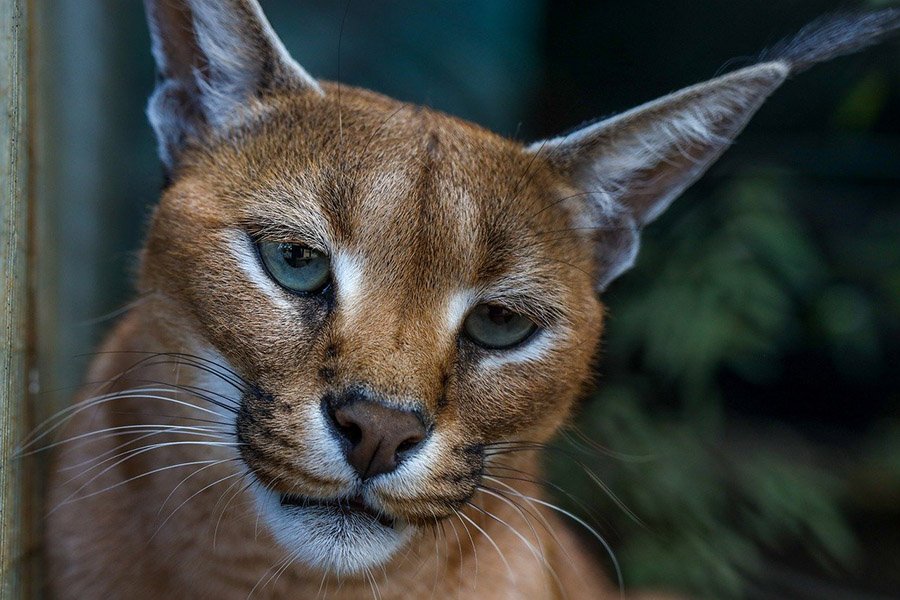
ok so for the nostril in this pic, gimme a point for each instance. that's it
(348, 427)
(409, 443)
(351, 431)
(374, 437)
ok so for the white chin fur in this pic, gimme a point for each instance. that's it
(328, 540)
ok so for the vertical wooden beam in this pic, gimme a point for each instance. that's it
(14, 206)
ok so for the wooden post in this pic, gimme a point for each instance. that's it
(15, 501)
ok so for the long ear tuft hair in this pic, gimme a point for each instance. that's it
(633, 165)
(832, 36)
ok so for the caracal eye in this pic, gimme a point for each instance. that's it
(295, 267)
(496, 327)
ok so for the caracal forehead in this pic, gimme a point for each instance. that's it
(404, 198)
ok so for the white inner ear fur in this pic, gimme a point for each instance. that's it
(234, 66)
(241, 248)
(677, 136)
(632, 166)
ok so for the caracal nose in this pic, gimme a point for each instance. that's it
(375, 436)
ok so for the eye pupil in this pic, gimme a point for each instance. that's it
(500, 315)
(295, 255)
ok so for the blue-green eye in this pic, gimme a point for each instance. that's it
(295, 266)
(496, 327)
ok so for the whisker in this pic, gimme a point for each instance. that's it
(132, 454)
(43, 428)
(121, 430)
(273, 569)
(185, 480)
(230, 404)
(536, 513)
(437, 552)
(152, 359)
(459, 548)
(589, 446)
(472, 542)
(230, 500)
(195, 494)
(541, 482)
(490, 540)
(113, 453)
(500, 496)
(322, 583)
(158, 415)
(538, 555)
(587, 471)
(591, 530)
(65, 415)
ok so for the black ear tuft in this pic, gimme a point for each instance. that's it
(632, 166)
(832, 36)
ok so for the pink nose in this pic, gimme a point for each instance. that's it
(375, 437)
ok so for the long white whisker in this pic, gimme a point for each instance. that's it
(43, 428)
(67, 414)
(539, 553)
(135, 453)
(114, 453)
(195, 494)
(459, 548)
(593, 532)
(225, 507)
(185, 480)
(471, 541)
(128, 430)
(514, 447)
(536, 513)
(492, 542)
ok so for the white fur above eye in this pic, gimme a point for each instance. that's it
(456, 308)
(348, 272)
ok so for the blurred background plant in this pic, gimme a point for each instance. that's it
(749, 387)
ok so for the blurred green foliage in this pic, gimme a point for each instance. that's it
(732, 283)
(748, 402)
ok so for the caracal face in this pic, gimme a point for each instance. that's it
(424, 218)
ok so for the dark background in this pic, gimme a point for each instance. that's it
(751, 369)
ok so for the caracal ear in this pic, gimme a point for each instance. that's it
(216, 61)
(632, 166)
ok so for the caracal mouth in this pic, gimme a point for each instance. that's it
(342, 536)
(352, 508)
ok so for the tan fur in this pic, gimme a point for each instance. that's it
(208, 398)
(434, 204)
